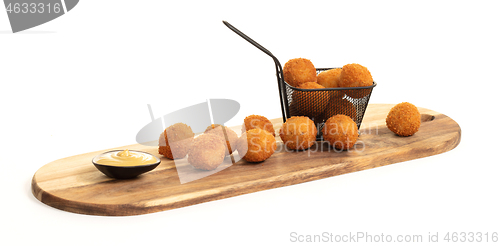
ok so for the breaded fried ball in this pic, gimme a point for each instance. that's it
(257, 122)
(299, 70)
(403, 119)
(229, 136)
(256, 145)
(309, 103)
(341, 132)
(330, 78)
(298, 133)
(355, 75)
(208, 152)
(175, 141)
(339, 106)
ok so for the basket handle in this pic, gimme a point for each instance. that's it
(250, 40)
(279, 70)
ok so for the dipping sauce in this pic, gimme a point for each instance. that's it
(125, 158)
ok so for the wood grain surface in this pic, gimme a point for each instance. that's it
(73, 184)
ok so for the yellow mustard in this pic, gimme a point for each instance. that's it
(125, 158)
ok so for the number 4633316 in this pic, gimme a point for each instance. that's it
(471, 237)
(33, 8)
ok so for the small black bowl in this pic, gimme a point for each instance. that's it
(125, 172)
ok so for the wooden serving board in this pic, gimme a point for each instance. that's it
(73, 184)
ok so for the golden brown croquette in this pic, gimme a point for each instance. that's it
(330, 78)
(339, 106)
(256, 145)
(341, 132)
(207, 152)
(299, 70)
(298, 133)
(403, 119)
(175, 141)
(258, 122)
(309, 103)
(226, 133)
(355, 75)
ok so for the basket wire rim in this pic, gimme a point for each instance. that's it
(335, 88)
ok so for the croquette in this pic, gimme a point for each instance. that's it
(339, 106)
(309, 103)
(256, 145)
(403, 119)
(329, 78)
(257, 121)
(299, 70)
(298, 133)
(355, 75)
(208, 152)
(175, 141)
(341, 132)
(226, 133)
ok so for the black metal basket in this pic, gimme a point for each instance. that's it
(321, 104)
(317, 104)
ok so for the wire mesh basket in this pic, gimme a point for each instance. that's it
(317, 104)
(321, 104)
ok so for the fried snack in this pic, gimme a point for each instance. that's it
(256, 145)
(330, 78)
(175, 141)
(355, 75)
(341, 132)
(208, 152)
(257, 121)
(339, 106)
(298, 133)
(299, 70)
(403, 119)
(309, 103)
(226, 133)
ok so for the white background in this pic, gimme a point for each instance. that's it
(82, 83)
